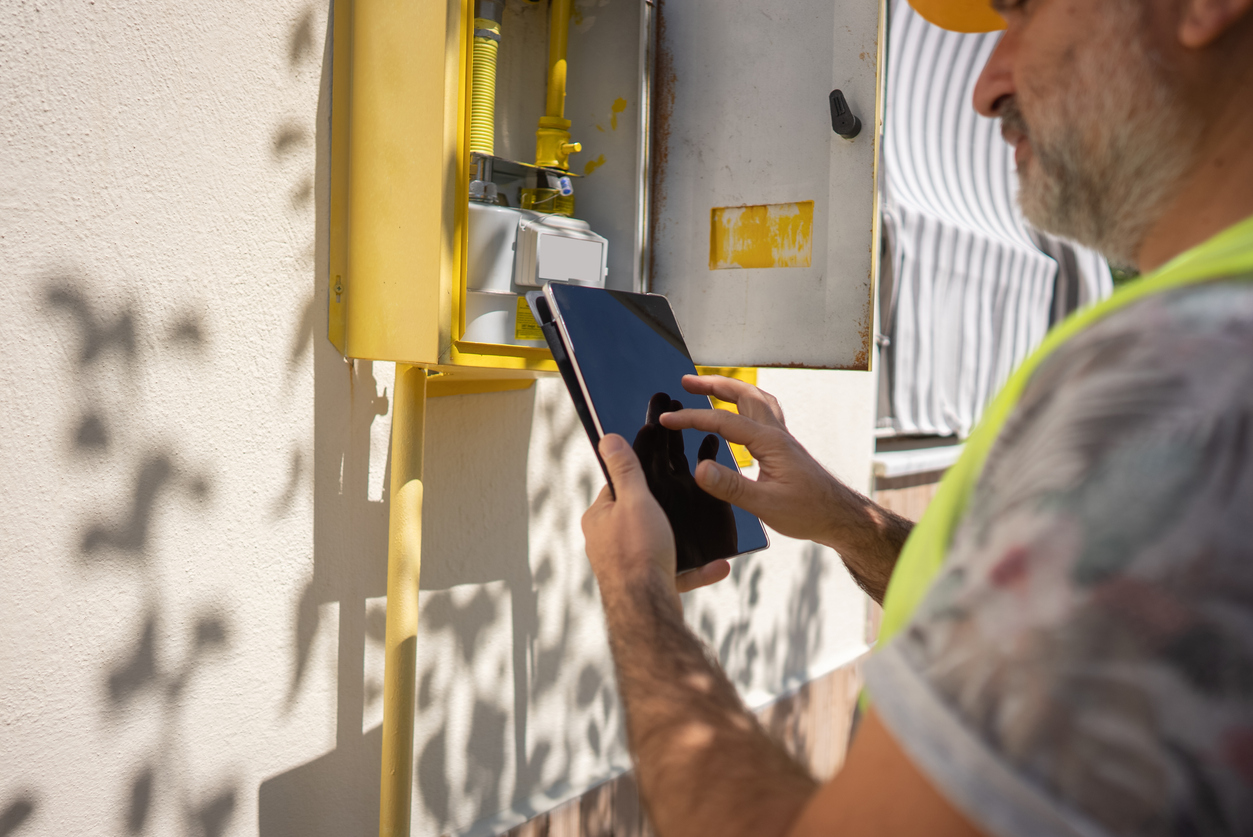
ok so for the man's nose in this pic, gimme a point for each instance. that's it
(996, 82)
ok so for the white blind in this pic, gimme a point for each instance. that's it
(968, 289)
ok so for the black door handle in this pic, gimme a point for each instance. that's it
(843, 122)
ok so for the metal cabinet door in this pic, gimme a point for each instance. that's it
(764, 219)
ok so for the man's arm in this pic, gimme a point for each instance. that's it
(704, 765)
(793, 494)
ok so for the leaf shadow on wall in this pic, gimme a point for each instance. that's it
(116, 350)
(16, 814)
(476, 573)
(338, 792)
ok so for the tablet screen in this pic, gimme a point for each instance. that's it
(631, 357)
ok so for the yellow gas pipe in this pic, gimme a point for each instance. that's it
(404, 565)
(552, 139)
(488, 16)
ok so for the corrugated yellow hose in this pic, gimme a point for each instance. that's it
(483, 86)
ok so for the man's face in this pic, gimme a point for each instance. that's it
(1101, 140)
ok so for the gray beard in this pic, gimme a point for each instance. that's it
(1106, 157)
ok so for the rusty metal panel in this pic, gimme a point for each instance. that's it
(743, 123)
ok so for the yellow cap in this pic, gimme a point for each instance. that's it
(960, 15)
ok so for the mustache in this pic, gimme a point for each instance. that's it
(1011, 118)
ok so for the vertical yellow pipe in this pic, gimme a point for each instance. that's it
(552, 139)
(404, 565)
(558, 41)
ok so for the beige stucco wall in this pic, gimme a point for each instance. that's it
(193, 482)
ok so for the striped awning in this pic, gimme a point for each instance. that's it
(968, 289)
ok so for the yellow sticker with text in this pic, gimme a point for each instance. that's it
(524, 325)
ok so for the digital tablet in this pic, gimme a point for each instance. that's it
(623, 359)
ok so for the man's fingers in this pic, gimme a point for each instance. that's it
(748, 399)
(725, 484)
(711, 573)
(623, 466)
(722, 388)
(734, 428)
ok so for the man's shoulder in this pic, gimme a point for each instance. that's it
(1165, 366)
(1163, 384)
(1184, 331)
(1089, 633)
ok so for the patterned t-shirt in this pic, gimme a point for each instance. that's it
(1083, 664)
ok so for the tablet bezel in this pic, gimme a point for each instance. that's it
(555, 309)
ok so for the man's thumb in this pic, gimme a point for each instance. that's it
(623, 466)
(721, 482)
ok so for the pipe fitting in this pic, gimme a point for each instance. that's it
(552, 139)
(552, 143)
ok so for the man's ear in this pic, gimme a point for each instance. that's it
(1204, 21)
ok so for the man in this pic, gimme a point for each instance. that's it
(1069, 630)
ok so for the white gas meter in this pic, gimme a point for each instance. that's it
(552, 248)
(515, 250)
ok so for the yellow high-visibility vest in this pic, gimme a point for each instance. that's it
(1227, 255)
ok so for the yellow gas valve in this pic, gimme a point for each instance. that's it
(552, 143)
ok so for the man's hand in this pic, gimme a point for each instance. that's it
(629, 540)
(793, 494)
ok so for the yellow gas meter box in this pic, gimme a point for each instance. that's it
(720, 152)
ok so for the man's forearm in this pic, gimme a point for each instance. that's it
(868, 537)
(704, 764)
